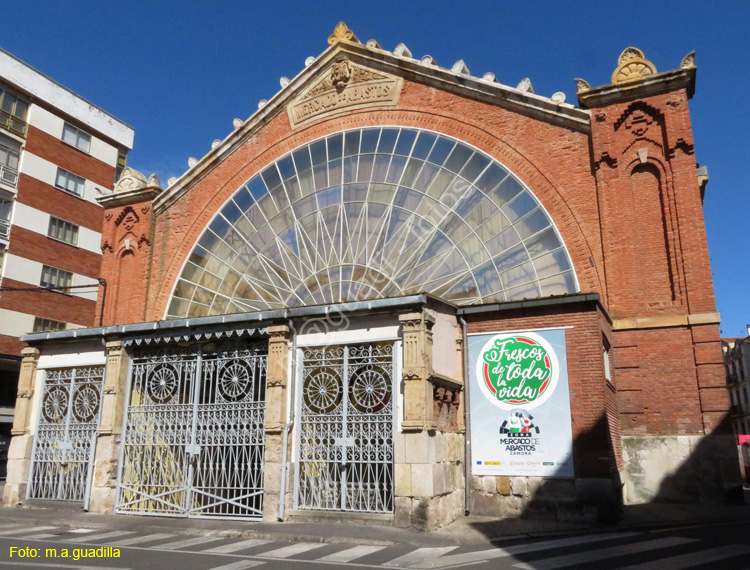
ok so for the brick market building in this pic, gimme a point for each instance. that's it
(58, 154)
(397, 293)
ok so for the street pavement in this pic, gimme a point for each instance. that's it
(702, 547)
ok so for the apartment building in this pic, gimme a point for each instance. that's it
(58, 153)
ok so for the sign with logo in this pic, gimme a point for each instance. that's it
(520, 404)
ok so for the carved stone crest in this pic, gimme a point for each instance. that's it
(342, 86)
(340, 74)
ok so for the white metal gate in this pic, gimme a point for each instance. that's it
(194, 433)
(345, 435)
(65, 437)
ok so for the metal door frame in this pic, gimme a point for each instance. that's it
(395, 361)
(194, 355)
(94, 423)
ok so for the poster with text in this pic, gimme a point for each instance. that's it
(520, 404)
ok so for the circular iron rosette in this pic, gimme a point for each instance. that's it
(370, 389)
(323, 391)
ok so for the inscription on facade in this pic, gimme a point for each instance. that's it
(344, 86)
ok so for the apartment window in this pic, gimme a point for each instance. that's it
(45, 325)
(57, 278)
(13, 112)
(122, 160)
(63, 231)
(69, 182)
(6, 206)
(10, 152)
(76, 137)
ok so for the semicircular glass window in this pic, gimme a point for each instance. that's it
(374, 213)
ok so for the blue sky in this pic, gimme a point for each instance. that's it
(179, 72)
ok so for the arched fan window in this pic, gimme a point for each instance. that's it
(374, 213)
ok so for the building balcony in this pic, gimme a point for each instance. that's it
(4, 230)
(735, 410)
(13, 124)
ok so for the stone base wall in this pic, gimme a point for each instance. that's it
(104, 481)
(19, 461)
(685, 468)
(579, 500)
(429, 479)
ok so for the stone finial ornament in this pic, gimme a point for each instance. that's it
(284, 81)
(373, 44)
(525, 86)
(428, 60)
(154, 181)
(171, 181)
(460, 67)
(632, 66)
(688, 60)
(402, 50)
(192, 161)
(489, 77)
(215, 143)
(308, 61)
(582, 84)
(558, 97)
(262, 103)
(237, 123)
(130, 179)
(342, 32)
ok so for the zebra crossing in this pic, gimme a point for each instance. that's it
(614, 550)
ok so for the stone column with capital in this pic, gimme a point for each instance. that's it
(109, 433)
(417, 372)
(19, 454)
(277, 377)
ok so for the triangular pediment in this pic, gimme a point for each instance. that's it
(343, 85)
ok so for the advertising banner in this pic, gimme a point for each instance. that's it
(520, 404)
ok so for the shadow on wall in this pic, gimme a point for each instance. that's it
(661, 469)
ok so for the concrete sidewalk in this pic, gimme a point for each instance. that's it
(466, 530)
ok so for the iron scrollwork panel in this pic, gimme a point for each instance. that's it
(230, 436)
(66, 433)
(346, 429)
(159, 422)
(194, 437)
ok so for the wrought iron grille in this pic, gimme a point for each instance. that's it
(194, 433)
(345, 436)
(65, 437)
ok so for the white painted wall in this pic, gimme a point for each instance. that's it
(46, 171)
(37, 221)
(51, 124)
(22, 269)
(14, 323)
(25, 77)
(28, 271)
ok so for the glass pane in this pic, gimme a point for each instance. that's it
(69, 135)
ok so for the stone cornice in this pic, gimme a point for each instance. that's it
(529, 104)
(657, 84)
(117, 199)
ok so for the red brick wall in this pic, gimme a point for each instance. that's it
(553, 161)
(56, 306)
(126, 253)
(60, 204)
(591, 396)
(76, 161)
(38, 247)
(11, 345)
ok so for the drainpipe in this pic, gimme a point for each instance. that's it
(288, 426)
(467, 422)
